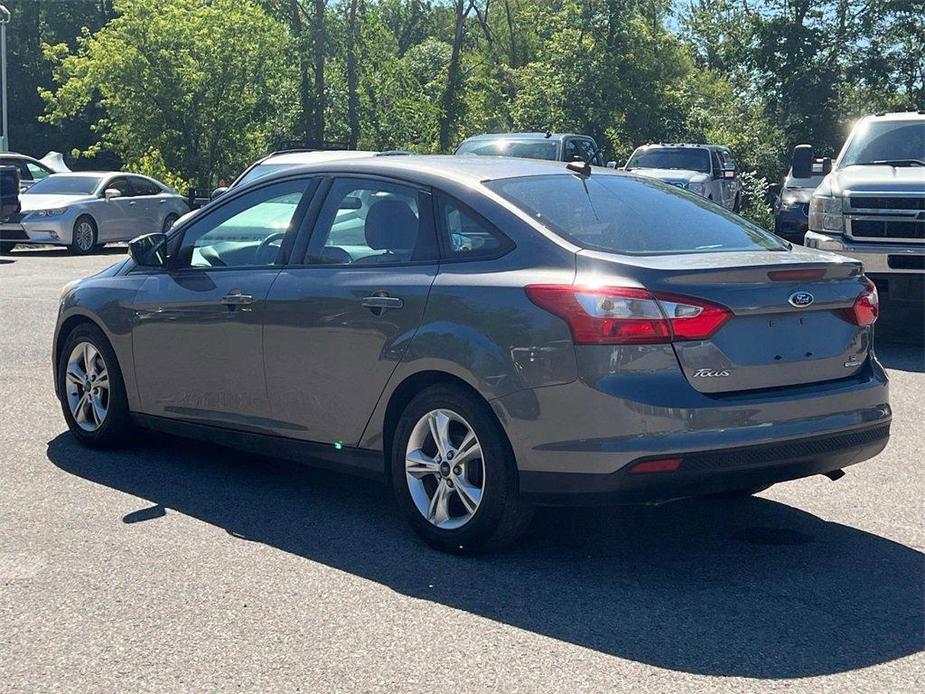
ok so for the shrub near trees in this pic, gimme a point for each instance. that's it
(193, 90)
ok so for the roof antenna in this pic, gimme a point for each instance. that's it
(583, 167)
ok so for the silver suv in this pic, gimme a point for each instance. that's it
(707, 170)
(871, 206)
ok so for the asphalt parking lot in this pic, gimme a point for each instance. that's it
(178, 566)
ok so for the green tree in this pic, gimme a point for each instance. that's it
(197, 87)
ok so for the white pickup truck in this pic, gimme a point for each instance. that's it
(707, 170)
(871, 204)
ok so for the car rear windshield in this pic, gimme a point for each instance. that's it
(686, 158)
(62, 184)
(522, 149)
(632, 215)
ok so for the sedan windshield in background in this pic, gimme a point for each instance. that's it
(522, 149)
(687, 158)
(262, 170)
(64, 184)
(630, 215)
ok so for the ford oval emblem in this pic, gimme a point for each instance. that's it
(801, 299)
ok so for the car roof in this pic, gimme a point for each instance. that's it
(522, 136)
(692, 145)
(897, 116)
(308, 157)
(427, 168)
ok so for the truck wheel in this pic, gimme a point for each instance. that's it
(6, 247)
(737, 205)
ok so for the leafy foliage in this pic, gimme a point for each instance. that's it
(195, 89)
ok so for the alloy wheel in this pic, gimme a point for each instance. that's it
(83, 235)
(444, 469)
(87, 386)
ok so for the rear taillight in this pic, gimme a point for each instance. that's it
(866, 306)
(622, 316)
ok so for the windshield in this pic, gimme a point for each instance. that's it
(630, 215)
(261, 170)
(63, 184)
(522, 149)
(885, 141)
(687, 158)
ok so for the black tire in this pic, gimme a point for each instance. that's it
(737, 204)
(6, 247)
(84, 246)
(116, 425)
(737, 493)
(502, 516)
(169, 221)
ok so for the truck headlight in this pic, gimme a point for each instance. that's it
(826, 214)
(696, 188)
(790, 200)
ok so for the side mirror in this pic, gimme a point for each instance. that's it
(149, 250)
(9, 191)
(111, 193)
(611, 165)
(218, 192)
(801, 164)
(729, 170)
(826, 166)
(351, 202)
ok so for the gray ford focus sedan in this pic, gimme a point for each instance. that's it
(489, 335)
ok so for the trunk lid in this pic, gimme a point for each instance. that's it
(787, 328)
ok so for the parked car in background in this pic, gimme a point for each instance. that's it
(277, 161)
(30, 169)
(88, 209)
(491, 333)
(791, 206)
(707, 170)
(551, 146)
(871, 206)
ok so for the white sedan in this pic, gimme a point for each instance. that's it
(85, 210)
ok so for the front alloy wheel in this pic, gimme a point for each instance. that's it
(444, 469)
(87, 386)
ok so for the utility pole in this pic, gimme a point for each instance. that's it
(4, 20)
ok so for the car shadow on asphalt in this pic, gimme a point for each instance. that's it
(750, 588)
(60, 251)
(901, 357)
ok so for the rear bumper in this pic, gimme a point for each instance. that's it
(583, 436)
(711, 472)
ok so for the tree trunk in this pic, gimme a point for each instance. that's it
(306, 102)
(353, 118)
(450, 95)
(318, 131)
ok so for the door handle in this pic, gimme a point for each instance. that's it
(236, 298)
(382, 302)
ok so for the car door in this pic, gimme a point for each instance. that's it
(147, 210)
(197, 338)
(722, 185)
(341, 315)
(113, 216)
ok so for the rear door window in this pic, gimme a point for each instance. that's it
(371, 222)
(632, 215)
